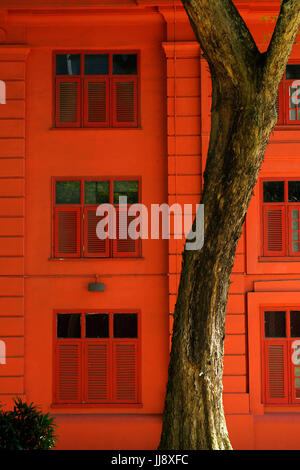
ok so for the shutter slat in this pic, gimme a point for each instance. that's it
(97, 371)
(276, 379)
(96, 102)
(94, 246)
(67, 232)
(125, 372)
(274, 230)
(125, 102)
(67, 102)
(68, 362)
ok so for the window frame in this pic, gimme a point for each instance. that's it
(283, 103)
(267, 295)
(83, 79)
(83, 220)
(286, 206)
(82, 341)
(288, 368)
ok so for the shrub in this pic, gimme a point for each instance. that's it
(26, 428)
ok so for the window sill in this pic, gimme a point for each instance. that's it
(285, 259)
(288, 408)
(287, 127)
(66, 406)
(139, 128)
(98, 258)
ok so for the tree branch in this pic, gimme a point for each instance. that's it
(224, 37)
(281, 44)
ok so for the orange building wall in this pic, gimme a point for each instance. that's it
(168, 153)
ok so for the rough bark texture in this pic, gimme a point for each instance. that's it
(245, 84)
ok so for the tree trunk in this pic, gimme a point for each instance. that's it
(243, 116)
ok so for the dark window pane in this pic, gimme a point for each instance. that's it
(68, 64)
(275, 324)
(294, 191)
(295, 323)
(96, 192)
(125, 325)
(126, 188)
(96, 64)
(67, 192)
(96, 325)
(68, 325)
(273, 191)
(293, 71)
(125, 64)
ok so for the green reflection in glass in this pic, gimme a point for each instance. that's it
(67, 192)
(96, 192)
(126, 188)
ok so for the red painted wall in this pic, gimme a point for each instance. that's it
(168, 153)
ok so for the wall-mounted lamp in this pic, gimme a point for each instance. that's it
(96, 286)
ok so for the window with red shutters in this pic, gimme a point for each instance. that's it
(97, 369)
(281, 217)
(93, 246)
(96, 89)
(124, 247)
(96, 102)
(97, 357)
(124, 108)
(125, 371)
(68, 372)
(68, 94)
(292, 104)
(274, 230)
(75, 217)
(281, 364)
(288, 100)
(67, 232)
(276, 367)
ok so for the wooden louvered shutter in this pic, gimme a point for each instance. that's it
(68, 372)
(124, 102)
(97, 371)
(96, 104)
(125, 367)
(93, 246)
(125, 247)
(294, 230)
(276, 371)
(67, 232)
(274, 230)
(68, 92)
(292, 106)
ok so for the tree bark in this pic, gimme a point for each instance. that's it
(245, 85)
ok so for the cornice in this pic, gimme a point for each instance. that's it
(182, 49)
(13, 52)
(47, 11)
(80, 4)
